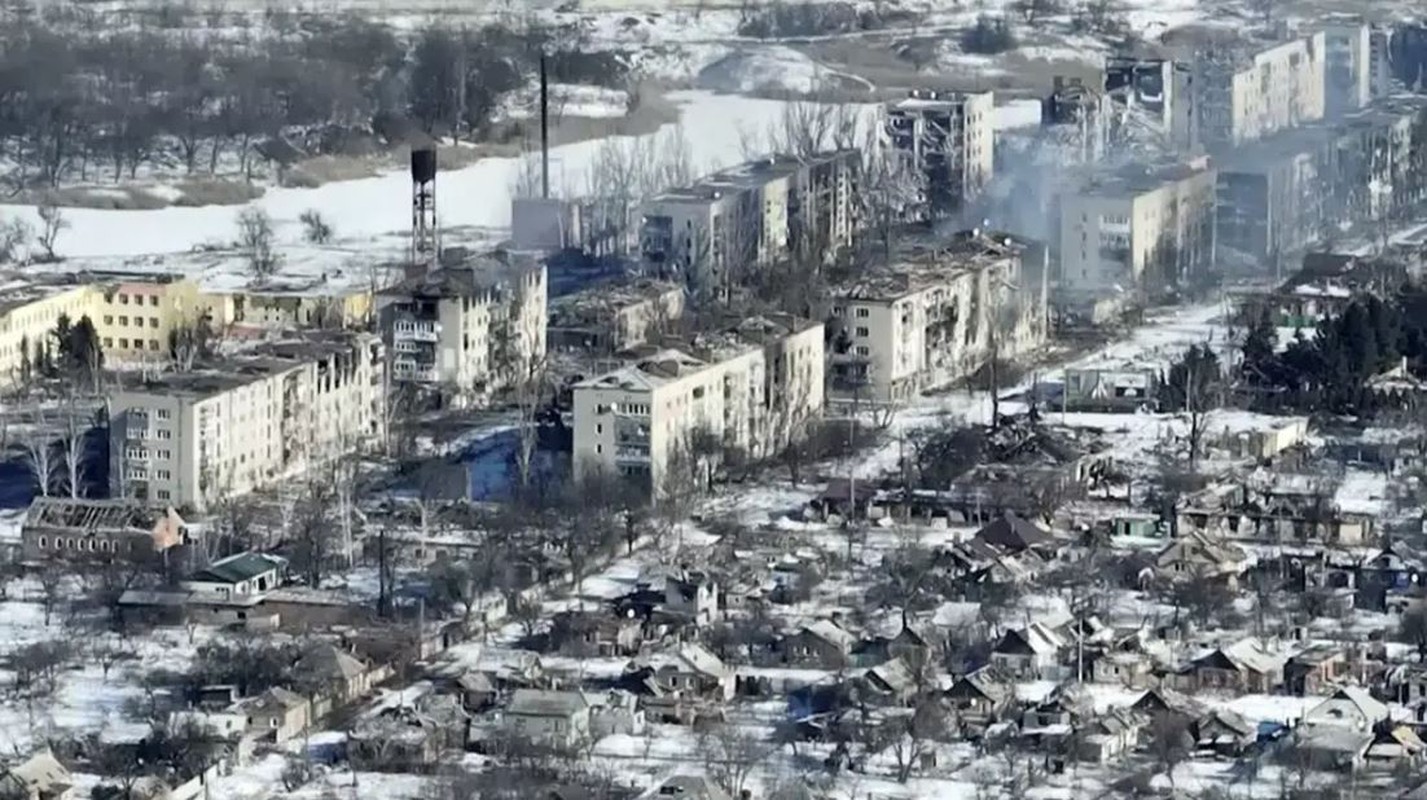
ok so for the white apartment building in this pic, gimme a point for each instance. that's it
(1246, 92)
(751, 387)
(934, 315)
(469, 328)
(947, 140)
(1140, 229)
(1348, 69)
(184, 439)
(708, 234)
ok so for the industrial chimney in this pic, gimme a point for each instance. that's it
(425, 240)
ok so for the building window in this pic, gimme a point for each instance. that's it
(108, 319)
(862, 351)
(153, 322)
(862, 312)
(123, 320)
(153, 300)
(108, 341)
(123, 344)
(123, 300)
(165, 475)
(863, 332)
(164, 433)
(162, 413)
(153, 344)
(44, 542)
(163, 494)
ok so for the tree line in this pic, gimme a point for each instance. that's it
(84, 101)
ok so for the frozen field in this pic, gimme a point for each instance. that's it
(476, 196)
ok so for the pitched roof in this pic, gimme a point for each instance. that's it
(830, 632)
(327, 661)
(276, 697)
(40, 771)
(1371, 708)
(547, 703)
(236, 569)
(1014, 533)
(698, 659)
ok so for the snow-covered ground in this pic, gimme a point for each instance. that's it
(476, 196)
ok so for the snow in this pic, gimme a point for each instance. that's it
(476, 196)
(1018, 114)
(1362, 492)
(752, 70)
(567, 100)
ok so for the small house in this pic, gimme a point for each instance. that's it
(277, 713)
(1245, 666)
(695, 672)
(1110, 735)
(239, 576)
(1199, 555)
(693, 596)
(1029, 653)
(1349, 707)
(1010, 533)
(39, 777)
(1315, 670)
(328, 670)
(549, 717)
(594, 634)
(1225, 733)
(822, 644)
(982, 696)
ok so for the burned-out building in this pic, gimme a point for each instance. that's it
(606, 319)
(1149, 98)
(1080, 116)
(1273, 194)
(80, 529)
(946, 142)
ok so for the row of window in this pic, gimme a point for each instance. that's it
(143, 452)
(85, 545)
(860, 312)
(138, 321)
(138, 299)
(138, 343)
(159, 413)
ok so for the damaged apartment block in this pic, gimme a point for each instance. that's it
(945, 142)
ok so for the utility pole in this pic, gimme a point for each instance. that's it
(544, 130)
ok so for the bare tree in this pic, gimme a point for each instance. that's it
(52, 222)
(315, 228)
(1169, 741)
(731, 754)
(915, 736)
(255, 240)
(74, 451)
(40, 452)
(14, 234)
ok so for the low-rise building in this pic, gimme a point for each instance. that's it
(231, 425)
(473, 327)
(74, 528)
(305, 305)
(549, 717)
(245, 575)
(1107, 389)
(934, 313)
(664, 419)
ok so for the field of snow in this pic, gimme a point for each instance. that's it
(476, 196)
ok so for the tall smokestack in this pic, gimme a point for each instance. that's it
(425, 241)
(544, 130)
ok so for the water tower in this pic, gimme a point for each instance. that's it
(425, 240)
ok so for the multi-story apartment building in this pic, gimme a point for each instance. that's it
(752, 215)
(187, 438)
(29, 311)
(1151, 99)
(1249, 90)
(932, 314)
(472, 327)
(661, 420)
(1380, 61)
(1278, 196)
(1082, 117)
(606, 319)
(1138, 229)
(946, 141)
(1347, 72)
(136, 313)
(133, 314)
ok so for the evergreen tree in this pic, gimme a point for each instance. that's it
(1194, 381)
(1259, 346)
